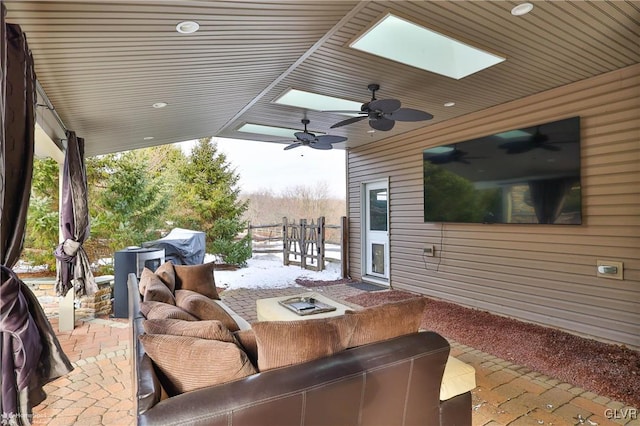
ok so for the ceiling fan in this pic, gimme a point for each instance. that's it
(537, 140)
(383, 113)
(307, 138)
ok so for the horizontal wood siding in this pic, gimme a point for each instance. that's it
(539, 273)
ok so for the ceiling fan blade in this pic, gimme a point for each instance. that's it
(382, 124)
(324, 146)
(408, 114)
(293, 145)
(348, 121)
(329, 139)
(305, 136)
(550, 147)
(346, 112)
(384, 105)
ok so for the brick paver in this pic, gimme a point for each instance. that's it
(98, 390)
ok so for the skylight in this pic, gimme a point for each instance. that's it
(316, 102)
(260, 129)
(402, 41)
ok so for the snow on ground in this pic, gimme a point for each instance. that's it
(267, 271)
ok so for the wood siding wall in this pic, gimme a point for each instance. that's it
(540, 273)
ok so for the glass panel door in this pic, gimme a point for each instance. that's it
(376, 230)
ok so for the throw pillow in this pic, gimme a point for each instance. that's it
(145, 279)
(159, 310)
(198, 278)
(155, 289)
(282, 343)
(386, 321)
(212, 330)
(168, 275)
(189, 363)
(204, 308)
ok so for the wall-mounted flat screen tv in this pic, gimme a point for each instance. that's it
(529, 175)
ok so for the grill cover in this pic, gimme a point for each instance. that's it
(181, 246)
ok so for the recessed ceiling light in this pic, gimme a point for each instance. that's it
(316, 102)
(260, 129)
(160, 105)
(522, 9)
(147, 138)
(187, 27)
(411, 44)
(449, 104)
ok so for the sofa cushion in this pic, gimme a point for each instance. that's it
(190, 363)
(204, 308)
(159, 310)
(198, 278)
(212, 330)
(282, 343)
(386, 321)
(168, 275)
(155, 289)
(247, 340)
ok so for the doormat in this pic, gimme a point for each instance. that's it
(367, 286)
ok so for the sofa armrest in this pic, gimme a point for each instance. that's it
(146, 387)
(376, 383)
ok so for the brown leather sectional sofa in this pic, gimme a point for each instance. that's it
(394, 382)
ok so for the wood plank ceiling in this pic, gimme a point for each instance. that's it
(103, 64)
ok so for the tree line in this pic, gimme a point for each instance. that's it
(138, 196)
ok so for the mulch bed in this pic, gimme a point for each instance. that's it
(606, 369)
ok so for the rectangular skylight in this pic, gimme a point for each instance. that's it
(317, 102)
(260, 129)
(402, 41)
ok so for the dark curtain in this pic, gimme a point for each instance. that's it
(548, 197)
(74, 267)
(31, 354)
(19, 129)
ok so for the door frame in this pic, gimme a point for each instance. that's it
(364, 249)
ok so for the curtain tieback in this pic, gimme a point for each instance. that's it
(67, 251)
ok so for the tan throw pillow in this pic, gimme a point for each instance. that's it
(189, 363)
(386, 321)
(168, 275)
(247, 341)
(204, 308)
(212, 330)
(159, 310)
(198, 278)
(282, 343)
(155, 289)
(145, 278)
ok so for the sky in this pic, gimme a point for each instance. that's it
(264, 165)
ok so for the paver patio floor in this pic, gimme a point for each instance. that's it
(98, 391)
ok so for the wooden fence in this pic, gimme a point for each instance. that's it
(308, 244)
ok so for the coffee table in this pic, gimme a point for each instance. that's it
(271, 310)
